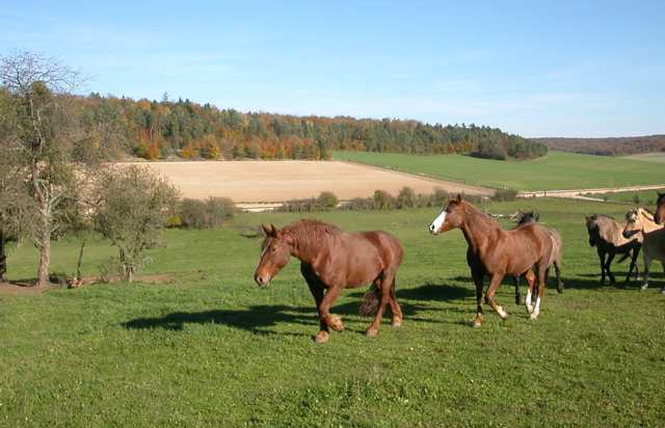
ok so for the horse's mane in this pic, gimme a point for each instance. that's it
(311, 230)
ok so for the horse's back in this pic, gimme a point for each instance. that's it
(388, 246)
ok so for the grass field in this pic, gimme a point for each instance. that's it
(646, 198)
(558, 170)
(210, 348)
(658, 157)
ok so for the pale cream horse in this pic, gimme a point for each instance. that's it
(642, 221)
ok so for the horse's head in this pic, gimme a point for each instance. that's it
(528, 217)
(633, 223)
(451, 217)
(659, 217)
(592, 229)
(275, 254)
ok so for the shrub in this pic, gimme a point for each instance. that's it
(193, 213)
(327, 200)
(208, 214)
(383, 200)
(505, 195)
(406, 198)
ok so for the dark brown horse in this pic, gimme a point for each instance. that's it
(332, 260)
(496, 252)
(659, 217)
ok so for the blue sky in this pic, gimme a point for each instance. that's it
(536, 68)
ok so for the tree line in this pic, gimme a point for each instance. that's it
(184, 129)
(616, 146)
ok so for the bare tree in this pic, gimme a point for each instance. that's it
(39, 144)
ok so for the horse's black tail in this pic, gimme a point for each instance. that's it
(371, 299)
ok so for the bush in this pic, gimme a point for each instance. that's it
(327, 200)
(505, 195)
(383, 200)
(406, 198)
(208, 214)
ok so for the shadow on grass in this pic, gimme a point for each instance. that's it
(258, 319)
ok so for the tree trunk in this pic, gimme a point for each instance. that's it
(3, 259)
(45, 255)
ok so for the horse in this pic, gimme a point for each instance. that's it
(493, 251)
(606, 235)
(641, 221)
(659, 217)
(332, 260)
(532, 217)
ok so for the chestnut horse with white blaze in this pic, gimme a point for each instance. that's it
(332, 260)
(496, 252)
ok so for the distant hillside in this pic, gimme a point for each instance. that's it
(607, 146)
(166, 129)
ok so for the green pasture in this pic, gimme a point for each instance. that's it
(658, 157)
(557, 170)
(645, 198)
(210, 348)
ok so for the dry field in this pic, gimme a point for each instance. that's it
(277, 181)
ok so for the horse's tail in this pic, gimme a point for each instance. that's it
(371, 299)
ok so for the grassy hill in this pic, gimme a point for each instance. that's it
(210, 348)
(557, 170)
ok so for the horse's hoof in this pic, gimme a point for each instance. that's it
(662, 290)
(476, 324)
(560, 288)
(322, 337)
(335, 323)
(644, 287)
(397, 323)
(372, 332)
(533, 316)
(529, 309)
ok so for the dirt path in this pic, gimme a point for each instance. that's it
(580, 193)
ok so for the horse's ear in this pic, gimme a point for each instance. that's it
(536, 216)
(269, 230)
(459, 197)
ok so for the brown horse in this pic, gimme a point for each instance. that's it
(659, 217)
(641, 221)
(556, 259)
(332, 260)
(497, 252)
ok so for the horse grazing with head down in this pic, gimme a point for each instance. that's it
(493, 251)
(332, 260)
(640, 221)
(607, 236)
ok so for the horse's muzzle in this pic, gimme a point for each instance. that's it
(432, 229)
(262, 280)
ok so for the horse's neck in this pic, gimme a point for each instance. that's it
(476, 227)
(649, 223)
(307, 250)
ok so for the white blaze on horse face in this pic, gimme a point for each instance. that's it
(437, 223)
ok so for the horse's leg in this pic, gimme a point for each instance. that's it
(601, 256)
(647, 265)
(531, 280)
(542, 283)
(662, 288)
(633, 264)
(385, 285)
(518, 297)
(333, 321)
(478, 280)
(608, 263)
(316, 288)
(559, 282)
(495, 282)
(394, 307)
